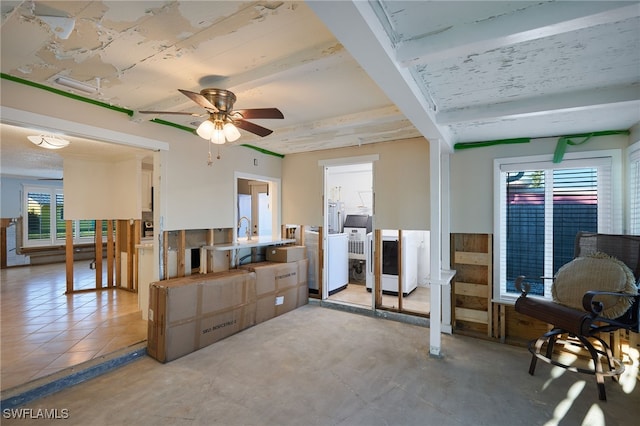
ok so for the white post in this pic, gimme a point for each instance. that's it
(436, 248)
(446, 242)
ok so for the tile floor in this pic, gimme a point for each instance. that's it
(44, 331)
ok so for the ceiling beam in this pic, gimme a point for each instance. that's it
(356, 26)
(529, 24)
(550, 104)
(342, 123)
(319, 57)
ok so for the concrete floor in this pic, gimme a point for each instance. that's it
(320, 366)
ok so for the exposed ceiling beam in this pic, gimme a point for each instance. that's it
(356, 26)
(317, 58)
(342, 123)
(529, 24)
(552, 104)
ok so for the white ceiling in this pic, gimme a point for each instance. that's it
(343, 73)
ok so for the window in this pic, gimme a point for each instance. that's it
(540, 208)
(634, 191)
(45, 224)
(38, 216)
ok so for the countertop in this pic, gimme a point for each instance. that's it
(253, 242)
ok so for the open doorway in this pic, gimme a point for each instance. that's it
(351, 250)
(348, 218)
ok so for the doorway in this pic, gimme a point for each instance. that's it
(348, 219)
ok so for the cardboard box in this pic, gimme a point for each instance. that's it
(303, 284)
(280, 287)
(187, 314)
(286, 253)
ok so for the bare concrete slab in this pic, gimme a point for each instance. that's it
(318, 366)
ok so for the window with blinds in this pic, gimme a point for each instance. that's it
(38, 216)
(46, 224)
(634, 188)
(61, 226)
(542, 207)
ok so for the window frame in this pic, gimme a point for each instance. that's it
(53, 239)
(588, 159)
(633, 210)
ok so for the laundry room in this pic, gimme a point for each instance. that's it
(349, 247)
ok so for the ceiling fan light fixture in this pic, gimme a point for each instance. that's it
(49, 142)
(231, 132)
(205, 129)
(217, 136)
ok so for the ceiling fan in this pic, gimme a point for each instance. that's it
(223, 120)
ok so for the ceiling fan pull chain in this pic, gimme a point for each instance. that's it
(209, 160)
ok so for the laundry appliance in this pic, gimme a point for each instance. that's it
(390, 252)
(357, 226)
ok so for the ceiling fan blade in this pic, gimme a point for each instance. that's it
(253, 128)
(199, 99)
(193, 114)
(259, 113)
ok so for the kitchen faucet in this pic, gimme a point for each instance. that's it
(248, 226)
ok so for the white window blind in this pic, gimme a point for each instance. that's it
(542, 207)
(45, 224)
(634, 188)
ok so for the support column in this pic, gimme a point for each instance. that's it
(436, 247)
(440, 279)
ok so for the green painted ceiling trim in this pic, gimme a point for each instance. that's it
(467, 145)
(264, 151)
(171, 124)
(67, 94)
(564, 141)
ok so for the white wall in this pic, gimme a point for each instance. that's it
(198, 196)
(472, 177)
(96, 189)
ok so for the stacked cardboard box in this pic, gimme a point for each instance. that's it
(286, 253)
(186, 314)
(280, 287)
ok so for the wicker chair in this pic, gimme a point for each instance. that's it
(587, 326)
